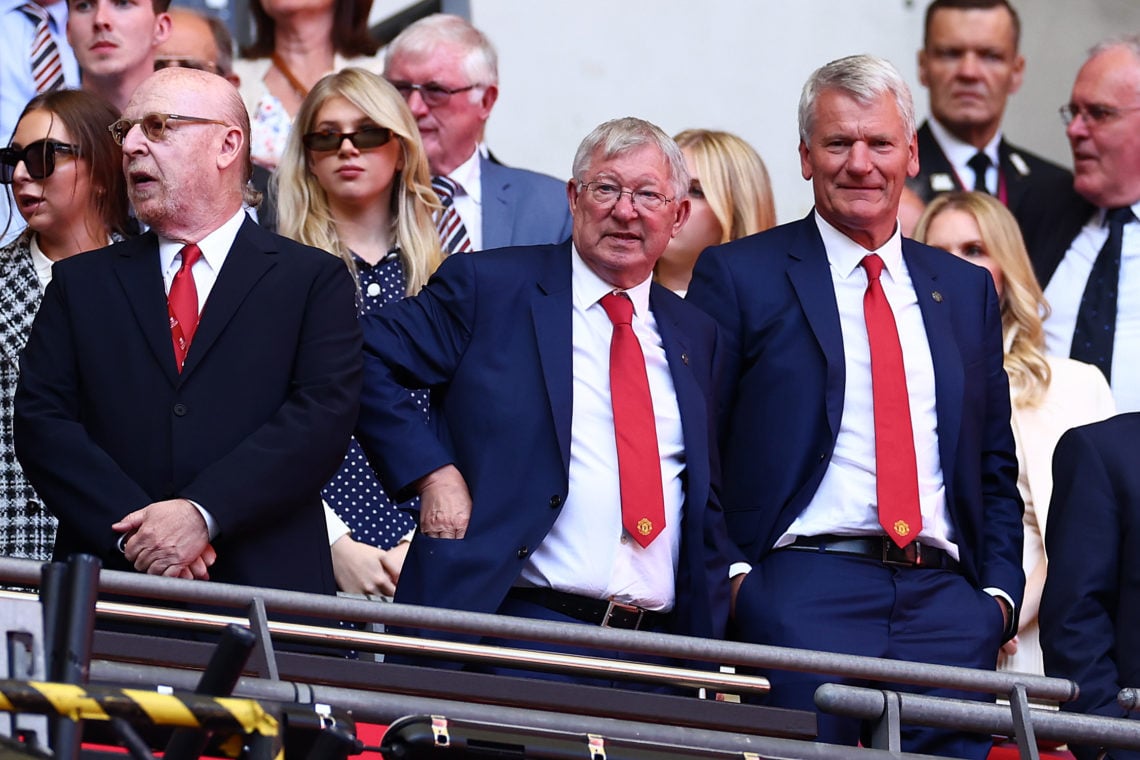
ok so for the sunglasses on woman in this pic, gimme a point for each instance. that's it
(38, 158)
(365, 138)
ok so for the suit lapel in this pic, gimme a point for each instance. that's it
(251, 256)
(495, 204)
(551, 312)
(937, 176)
(948, 371)
(690, 397)
(139, 271)
(810, 275)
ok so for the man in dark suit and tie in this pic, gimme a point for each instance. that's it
(1085, 246)
(448, 72)
(868, 464)
(539, 498)
(1090, 611)
(971, 65)
(184, 395)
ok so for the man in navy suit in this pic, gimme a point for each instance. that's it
(448, 72)
(1090, 610)
(206, 462)
(807, 496)
(521, 511)
(971, 65)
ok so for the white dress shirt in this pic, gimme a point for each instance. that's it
(587, 552)
(1064, 296)
(215, 247)
(959, 153)
(846, 501)
(469, 198)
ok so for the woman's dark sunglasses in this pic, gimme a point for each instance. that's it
(38, 157)
(365, 138)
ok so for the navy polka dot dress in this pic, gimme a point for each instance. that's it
(354, 492)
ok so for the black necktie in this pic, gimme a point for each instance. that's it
(980, 163)
(1096, 317)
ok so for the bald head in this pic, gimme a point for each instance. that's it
(185, 175)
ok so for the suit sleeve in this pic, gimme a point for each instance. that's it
(77, 479)
(297, 449)
(414, 344)
(713, 290)
(1082, 589)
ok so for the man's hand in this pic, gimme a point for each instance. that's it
(360, 568)
(445, 503)
(168, 538)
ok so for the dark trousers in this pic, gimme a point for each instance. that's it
(852, 605)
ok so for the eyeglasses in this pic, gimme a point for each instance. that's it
(1094, 115)
(365, 138)
(433, 94)
(608, 194)
(154, 125)
(185, 62)
(38, 158)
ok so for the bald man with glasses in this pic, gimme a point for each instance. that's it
(448, 72)
(185, 394)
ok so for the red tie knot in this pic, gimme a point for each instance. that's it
(618, 307)
(873, 264)
(190, 254)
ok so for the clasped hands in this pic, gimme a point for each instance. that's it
(168, 538)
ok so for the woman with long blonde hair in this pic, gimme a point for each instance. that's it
(1049, 394)
(730, 195)
(354, 180)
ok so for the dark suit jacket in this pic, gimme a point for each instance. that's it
(1020, 169)
(255, 424)
(522, 207)
(1090, 612)
(491, 336)
(1060, 215)
(773, 296)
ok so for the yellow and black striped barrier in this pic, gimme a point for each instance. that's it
(141, 708)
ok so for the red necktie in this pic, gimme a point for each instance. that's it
(895, 464)
(183, 304)
(635, 428)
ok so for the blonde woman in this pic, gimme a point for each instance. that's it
(1049, 394)
(730, 196)
(354, 181)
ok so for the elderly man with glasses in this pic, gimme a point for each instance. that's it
(184, 395)
(1085, 242)
(448, 72)
(569, 477)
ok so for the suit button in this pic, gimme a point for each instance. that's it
(179, 410)
(524, 552)
(822, 455)
(555, 501)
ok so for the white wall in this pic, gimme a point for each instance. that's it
(567, 65)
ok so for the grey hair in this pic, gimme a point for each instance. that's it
(625, 134)
(480, 61)
(864, 78)
(1129, 41)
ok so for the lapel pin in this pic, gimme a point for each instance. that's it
(941, 182)
(936, 296)
(1019, 164)
(685, 359)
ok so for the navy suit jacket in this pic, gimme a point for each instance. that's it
(253, 426)
(522, 207)
(773, 296)
(1021, 170)
(491, 336)
(1090, 611)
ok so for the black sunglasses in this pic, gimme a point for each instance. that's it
(38, 157)
(365, 138)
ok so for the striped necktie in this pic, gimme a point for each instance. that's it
(452, 234)
(47, 66)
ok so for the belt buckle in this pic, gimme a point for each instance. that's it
(908, 556)
(612, 605)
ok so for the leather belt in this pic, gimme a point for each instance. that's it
(601, 612)
(878, 548)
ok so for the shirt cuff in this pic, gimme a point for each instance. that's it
(336, 527)
(211, 523)
(739, 568)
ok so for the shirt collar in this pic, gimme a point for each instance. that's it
(958, 152)
(468, 175)
(587, 288)
(214, 246)
(844, 254)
